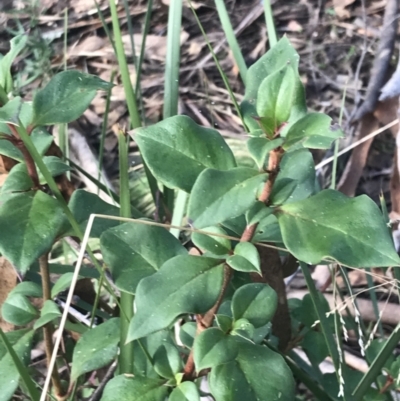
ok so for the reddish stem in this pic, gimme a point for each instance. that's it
(30, 163)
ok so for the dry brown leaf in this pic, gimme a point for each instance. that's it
(8, 280)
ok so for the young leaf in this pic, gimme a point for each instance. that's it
(275, 97)
(274, 60)
(177, 150)
(10, 112)
(186, 391)
(224, 322)
(313, 131)
(96, 348)
(255, 302)
(257, 373)
(167, 361)
(245, 258)
(221, 195)
(128, 388)
(184, 284)
(213, 347)
(331, 225)
(66, 97)
(134, 251)
(296, 178)
(243, 328)
(213, 244)
(10, 371)
(18, 310)
(48, 313)
(33, 220)
(257, 212)
(259, 149)
(17, 44)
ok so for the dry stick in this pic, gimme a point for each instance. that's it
(48, 329)
(382, 59)
(108, 376)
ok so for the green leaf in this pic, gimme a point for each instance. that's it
(41, 140)
(48, 313)
(10, 112)
(257, 373)
(56, 167)
(18, 180)
(33, 220)
(134, 251)
(212, 347)
(127, 388)
(167, 361)
(184, 284)
(96, 348)
(257, 212)
(275, 59)
(315, 346)
(66, 97)
(213, 244)
(82, 204)
(296, 178)
(18, 310)
(255, 302)
(186, 391)
(331, 225)
(243, 328)
(221, 195)
(259, 149)
(245, 258)
(9, 372)
(313, 131)
(62, 283)
(28, 288)
(12, 337)
(187, 334)
(144, 351)
(275, 97)
(177, 150)
(224, 322)
(17, 44)
(268, 230)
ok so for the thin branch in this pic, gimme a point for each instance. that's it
(381, 61)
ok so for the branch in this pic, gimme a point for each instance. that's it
(381, 61)
(48, 329)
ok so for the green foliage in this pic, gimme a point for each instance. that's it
(177, 150)
(221, 312)
(65, 97)
(96, 348)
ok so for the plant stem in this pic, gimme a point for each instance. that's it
(48, 329)
(30, 164)
(125, 361)
(275, 157)
(206, 321)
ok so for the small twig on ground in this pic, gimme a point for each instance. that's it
(99, 390)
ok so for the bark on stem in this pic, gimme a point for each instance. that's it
(48, 329)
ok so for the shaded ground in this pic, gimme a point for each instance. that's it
(336, 42)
